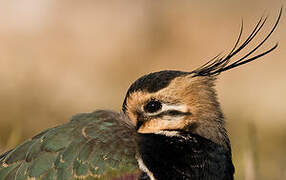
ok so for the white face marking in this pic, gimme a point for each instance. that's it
(170, 134)
(168, 107)
(177, 107)
(164, 119)
(171, 118)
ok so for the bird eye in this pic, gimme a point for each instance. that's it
(152, 106)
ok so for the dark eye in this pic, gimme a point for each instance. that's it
(152, 106)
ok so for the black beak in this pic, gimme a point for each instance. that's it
(138, 125)
(140, 121)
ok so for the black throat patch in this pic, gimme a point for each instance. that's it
(188, 157)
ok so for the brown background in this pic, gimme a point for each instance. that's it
(58, 58)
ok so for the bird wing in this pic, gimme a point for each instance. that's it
(98, 145)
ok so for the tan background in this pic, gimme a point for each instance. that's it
(58, 58)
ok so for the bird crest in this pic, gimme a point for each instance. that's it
(169, 100)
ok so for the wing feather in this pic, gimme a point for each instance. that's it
(98, 145)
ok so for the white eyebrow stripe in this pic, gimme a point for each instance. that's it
(168, 107)
(179, 107)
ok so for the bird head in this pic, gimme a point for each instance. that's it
(168, 102)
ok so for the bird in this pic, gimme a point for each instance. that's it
(171, 127)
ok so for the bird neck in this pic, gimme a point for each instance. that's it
(184, 156)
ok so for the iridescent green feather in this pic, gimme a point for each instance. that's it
(98, 145)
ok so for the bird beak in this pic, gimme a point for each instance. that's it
(138, 125)
(140, 121)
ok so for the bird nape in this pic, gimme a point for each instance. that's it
(171, 127)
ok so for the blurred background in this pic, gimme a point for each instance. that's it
(59, 58)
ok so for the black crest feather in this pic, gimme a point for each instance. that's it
(220, 64)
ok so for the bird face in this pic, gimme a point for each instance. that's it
(180, 103)
(165, 109)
